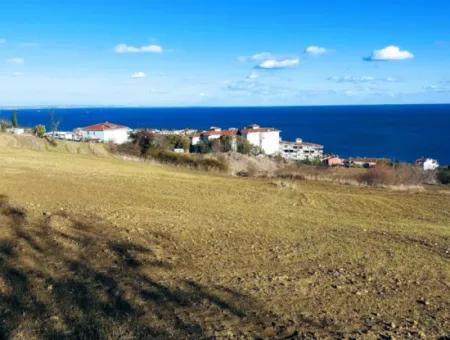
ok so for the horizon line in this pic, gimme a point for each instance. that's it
(37, 107)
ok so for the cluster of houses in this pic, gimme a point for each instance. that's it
(267, 140)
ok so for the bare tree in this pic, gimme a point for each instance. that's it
(54, 123)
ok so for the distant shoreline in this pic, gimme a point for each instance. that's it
(398, 132)
(57, 107)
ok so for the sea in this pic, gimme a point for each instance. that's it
(397, 132)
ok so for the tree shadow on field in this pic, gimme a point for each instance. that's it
(67, 277)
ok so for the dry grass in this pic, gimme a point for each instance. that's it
(163, 251)
(9, 141)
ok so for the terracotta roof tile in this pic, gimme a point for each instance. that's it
(103, 126)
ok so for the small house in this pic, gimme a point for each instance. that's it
(333, 161)
(266, 139)
(105, 132)
(16, 131)
(300, 150)
(430, 164)
(364, 162)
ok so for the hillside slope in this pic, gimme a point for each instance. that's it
(96, 247)
(9, 141)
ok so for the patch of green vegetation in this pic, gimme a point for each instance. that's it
(443, 175)
(39, 130)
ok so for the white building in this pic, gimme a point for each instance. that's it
(267, 139)
(214, 133)
(300, 150)
(16, 131)
(67, 135)
(430, 164)
(106, 132)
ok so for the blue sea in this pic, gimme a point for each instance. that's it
(398, 132)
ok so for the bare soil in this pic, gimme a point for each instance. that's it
(98, 247)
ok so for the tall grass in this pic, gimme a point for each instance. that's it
(188, 160)
(381, 175)
(403, 174)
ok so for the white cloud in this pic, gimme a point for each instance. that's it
(138, 75)
(390, 53)
(2, 41)
(278, 63)
(361, 79)
(124, 48)
(16, 61)
(316, 50)
(256, 57)
(18, 74)
(441, 86)
(253, 75)
(267, 60)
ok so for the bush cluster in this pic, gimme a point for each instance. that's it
(443, 175)
(39, 130)
(402, 174)
(188, 160)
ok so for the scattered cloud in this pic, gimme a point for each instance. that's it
(390, 53)
(124, 48)
(441, 86)
(2, 41)
(137, 75)
(316, 50)
(16, 61)
(267, 60)
(278, 63)
(256, 57)
(253, 75)
(361, 79)
(255, 87)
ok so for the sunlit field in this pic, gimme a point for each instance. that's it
(93, 246)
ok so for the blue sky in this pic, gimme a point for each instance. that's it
(222, 53)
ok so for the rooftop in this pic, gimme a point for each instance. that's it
(300, 142)
(258, 129)
(103, 126)
(230, 132)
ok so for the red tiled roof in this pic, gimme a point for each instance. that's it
(220, 133)
(103, 126)
(314, 145)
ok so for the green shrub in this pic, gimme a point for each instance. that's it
(39, 130)
(314, 161)
(4, 124)
(244, 146)
(204, 146)
(226, 143)
(148, 140)
(14, 121)
(443, 175)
